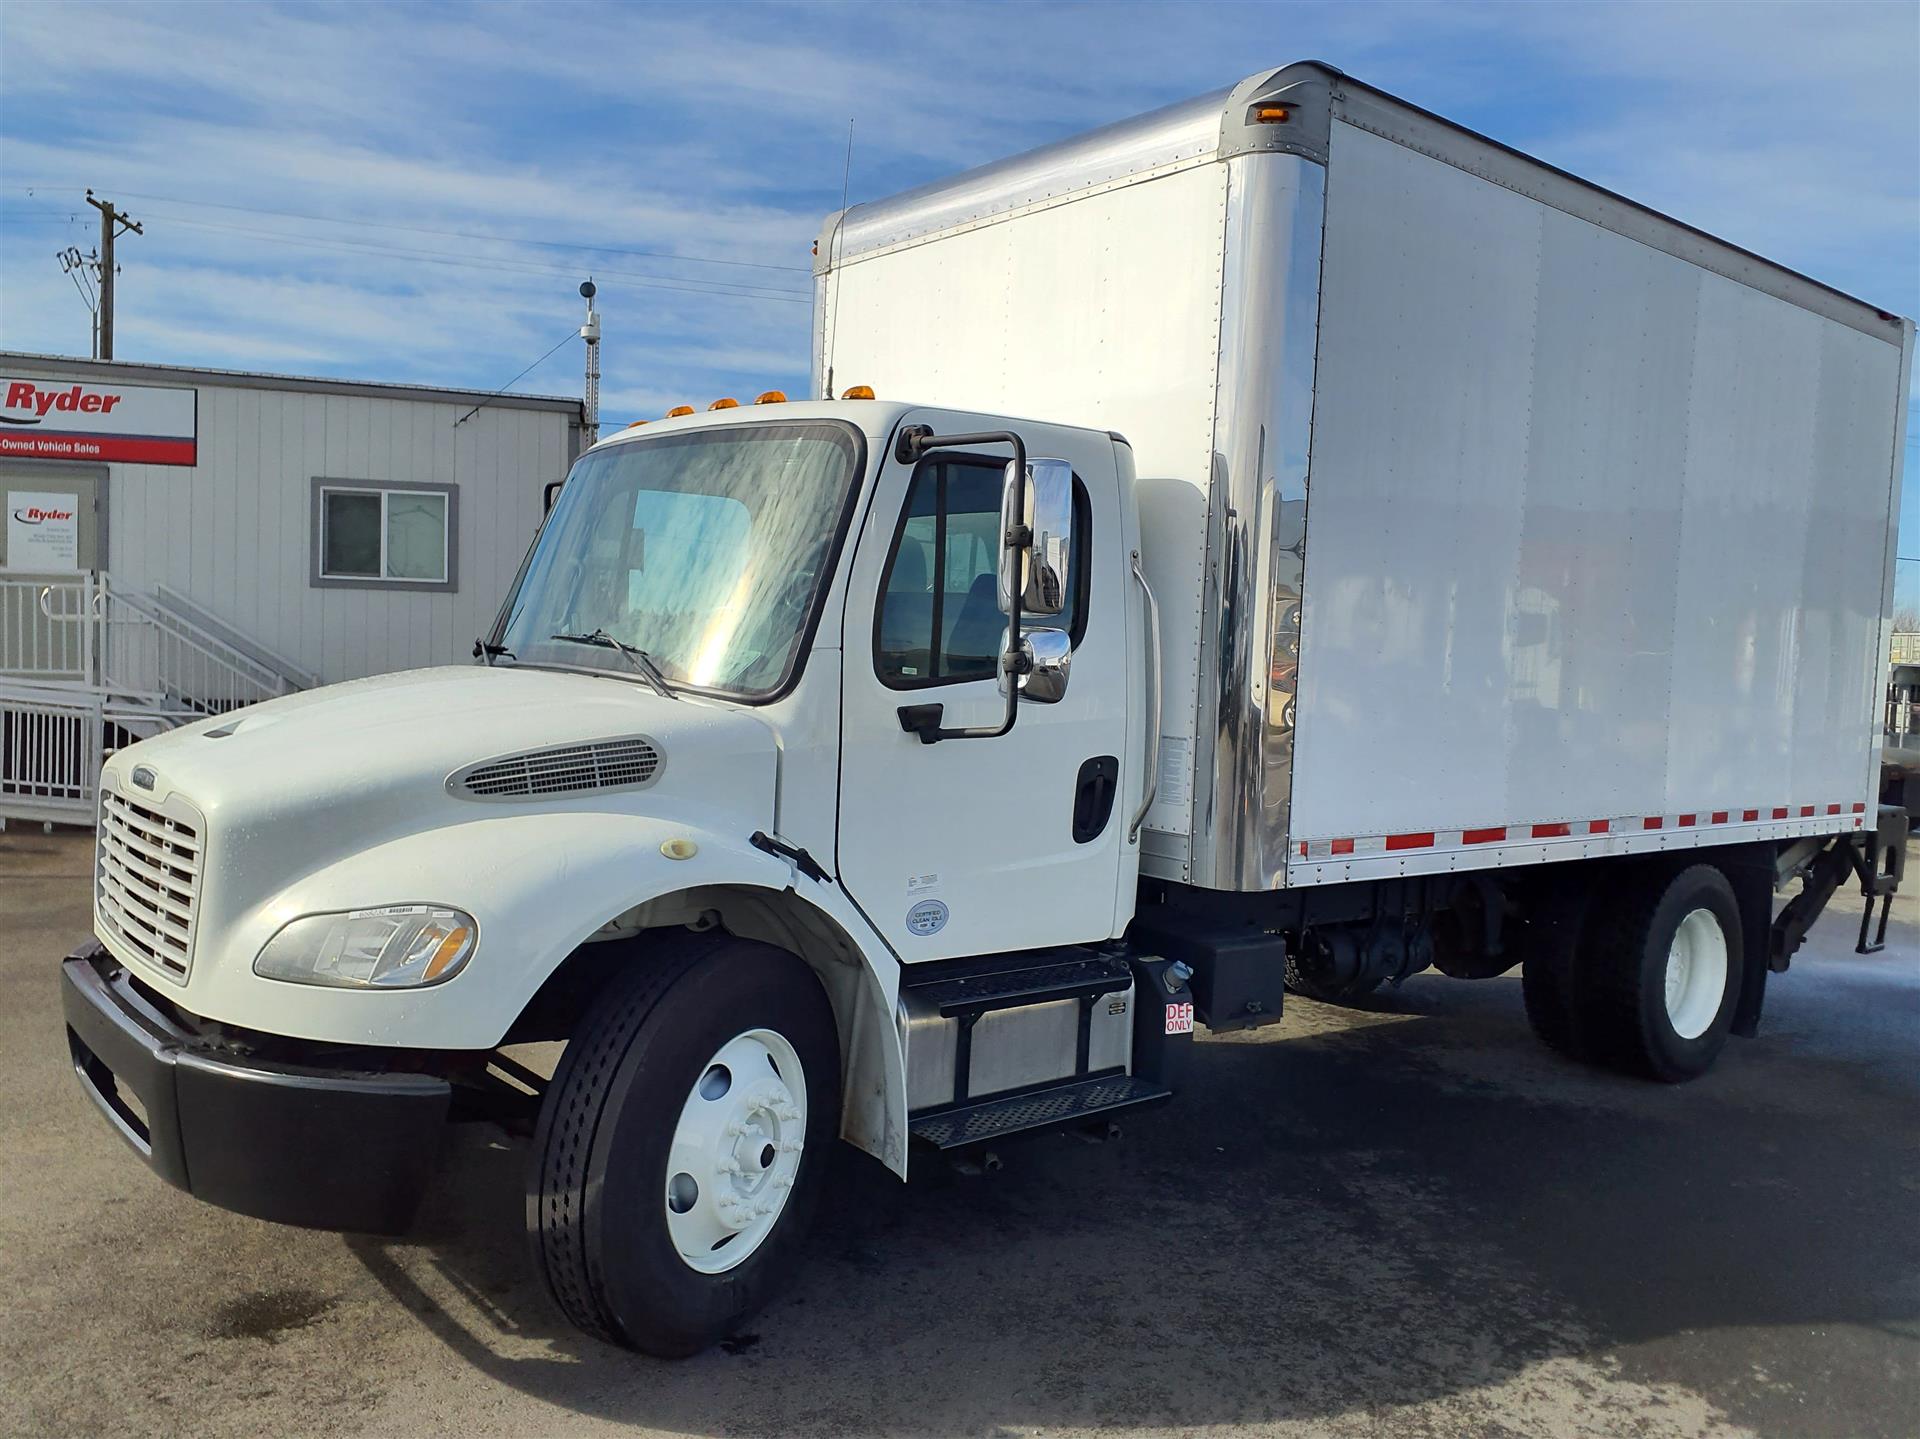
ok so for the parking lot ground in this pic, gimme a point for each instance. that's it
(1408, 1220)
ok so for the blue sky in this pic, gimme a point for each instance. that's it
(411, 192)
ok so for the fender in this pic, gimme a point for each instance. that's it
(539, 885)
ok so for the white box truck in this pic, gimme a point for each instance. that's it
(1300, 542)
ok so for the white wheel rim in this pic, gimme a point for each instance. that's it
(1696, 974)
(735, 1151)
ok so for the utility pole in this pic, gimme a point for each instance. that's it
(109, 217)
(590, 332)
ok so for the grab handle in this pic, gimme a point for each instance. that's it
(1153, 701)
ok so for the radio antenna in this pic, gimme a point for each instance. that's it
(833, 258)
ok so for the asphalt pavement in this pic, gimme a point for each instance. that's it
(1404, 1220)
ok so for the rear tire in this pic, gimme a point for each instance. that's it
(1658, 976)
(672, 1121)
(1546, 986)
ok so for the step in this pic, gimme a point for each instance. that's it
(1007, 981)
(1070, 1103)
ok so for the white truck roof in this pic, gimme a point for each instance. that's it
(1219, 125)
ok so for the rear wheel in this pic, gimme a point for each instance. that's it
(1546, 986)
(1659, 976)
(678, 1158)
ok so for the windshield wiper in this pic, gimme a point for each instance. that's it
(482, 650)
(640, 659)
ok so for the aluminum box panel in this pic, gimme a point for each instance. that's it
(1591, 531)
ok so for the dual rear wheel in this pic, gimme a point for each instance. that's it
(1650, 982)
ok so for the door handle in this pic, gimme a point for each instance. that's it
(1093, 797)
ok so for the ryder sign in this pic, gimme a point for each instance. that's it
(49, 419)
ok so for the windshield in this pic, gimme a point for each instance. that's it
(707, 550)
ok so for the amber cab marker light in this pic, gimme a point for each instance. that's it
(858, 392)
(728, 404)
(678, 410)
(636, 424)
(772, 397)
(1272, 115)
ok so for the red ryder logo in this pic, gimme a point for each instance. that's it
(97, 422)
(24, 395)
(34, 515)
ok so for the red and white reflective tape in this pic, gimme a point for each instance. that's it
(1467, 839)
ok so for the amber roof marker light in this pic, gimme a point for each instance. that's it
(678, 410)
(772, 397)
(858, 392)
(1272, 114)
(726, 404)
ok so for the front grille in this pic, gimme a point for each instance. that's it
(568, 769)
(147, 880)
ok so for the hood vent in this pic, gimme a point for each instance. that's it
(629, 763)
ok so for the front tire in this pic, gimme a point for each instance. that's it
(679, 1155)
(1659, 976)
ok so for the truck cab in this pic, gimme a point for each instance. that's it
(856, 685)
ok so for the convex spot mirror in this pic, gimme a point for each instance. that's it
(1040, 569)
(1048, 654)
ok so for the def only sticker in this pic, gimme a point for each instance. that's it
(927, 917)
(1179, 1019)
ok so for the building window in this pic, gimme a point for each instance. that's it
(375, 534)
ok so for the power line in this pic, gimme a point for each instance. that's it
(458, 235)
(514, 381)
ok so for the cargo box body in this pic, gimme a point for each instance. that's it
(1494, 519)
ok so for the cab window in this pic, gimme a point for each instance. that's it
(939, 617)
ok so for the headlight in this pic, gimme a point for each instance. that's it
(394, 947)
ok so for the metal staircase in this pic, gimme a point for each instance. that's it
(86, 666)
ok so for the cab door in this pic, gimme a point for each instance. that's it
(981, 845)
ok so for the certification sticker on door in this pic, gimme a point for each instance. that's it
(927, 917)
(43, 531)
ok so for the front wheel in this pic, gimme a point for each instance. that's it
(678, 1158)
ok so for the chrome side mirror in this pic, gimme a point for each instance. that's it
(1042, 566)
(1045, 658)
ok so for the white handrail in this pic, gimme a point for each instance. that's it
(85, 632)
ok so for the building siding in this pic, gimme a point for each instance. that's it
(233, 533)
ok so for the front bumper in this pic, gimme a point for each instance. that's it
(325, 1148)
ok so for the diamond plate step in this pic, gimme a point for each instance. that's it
(1020, 1113)
(1068, 974)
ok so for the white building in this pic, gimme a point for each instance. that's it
(179, 541)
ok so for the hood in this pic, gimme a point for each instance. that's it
(310, 776)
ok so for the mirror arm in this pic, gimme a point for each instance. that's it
(914, 444)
